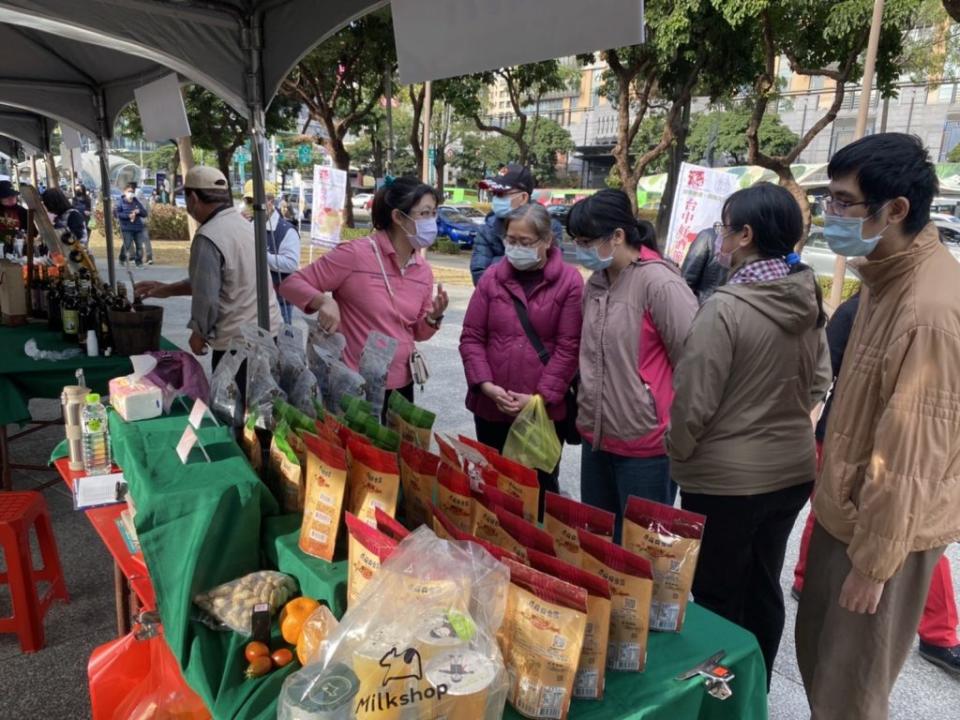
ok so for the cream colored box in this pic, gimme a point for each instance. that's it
(135, 400)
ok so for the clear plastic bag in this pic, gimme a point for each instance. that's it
(262, 389)
(533, 440)
(375, 361)
(225, 400)
(231, 604)
(291, 357)
(305, 392)
(342, 381)
(260, 342)
(430, 652)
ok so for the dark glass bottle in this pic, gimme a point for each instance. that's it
(70, 312)
(54, 318)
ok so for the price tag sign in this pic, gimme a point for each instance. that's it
(187, 441)
(197, 413)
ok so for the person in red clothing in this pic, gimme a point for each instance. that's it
(938, 627)
(502, 366)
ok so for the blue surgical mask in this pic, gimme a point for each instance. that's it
(522, 258)
(845, 237)
(591, 260)
(501, 205)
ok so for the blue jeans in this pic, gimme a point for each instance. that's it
(132, 238)
(286, 309)
(607, 480)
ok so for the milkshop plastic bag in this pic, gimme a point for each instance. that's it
(533, 440)
(225, 401)
(429, 653)
(375, 359)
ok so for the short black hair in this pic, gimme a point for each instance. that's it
(888, 166)
(130, 186)
(777, 223)
(402, 194)
(55, 201)
(602, 213)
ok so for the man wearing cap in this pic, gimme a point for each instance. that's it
(511, 189)
(283, 242)
(10, 207)
(222, 274)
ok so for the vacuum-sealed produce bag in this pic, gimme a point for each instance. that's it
(563, 517)
(670, 539)
(232, 603)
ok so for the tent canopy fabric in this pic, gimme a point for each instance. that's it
(206, 41)
(24, 127)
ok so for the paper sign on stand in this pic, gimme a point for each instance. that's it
(187, 441)
(329, 196)
(198, 412)
(701, 192)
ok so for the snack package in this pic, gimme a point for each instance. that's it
(366, 551)
(453, 496)
(374, 481)
(296, 419)
(322, 352)
(375, 359)
(525, 533)
(591, 671)
(411, 422)
(388, 526)
(260, 342)
(232, 603)
(430, 652)
(448, 531)
(326, 481)
(563, 517)
(532, 439)
(670, 539)
(521, 482)
(488, 452)
(225, 400)
(631, 587)
(541, 640)
(485, 525)
(285, 469)
(250, 443)
(418, 476)
(447, 452)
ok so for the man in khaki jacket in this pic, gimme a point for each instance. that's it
(888, 497)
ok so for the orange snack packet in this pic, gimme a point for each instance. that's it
(484, 523)
(670, 539)
(448, 531)
(631, 586)
(374, 480)
(591, 671)
(390, 527)
(367, 550)
(453, 496)
(527, 534)
(418, 477)
(541, 640)
(326, 473)
(563, 517)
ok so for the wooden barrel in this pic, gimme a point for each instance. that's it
(137, 332)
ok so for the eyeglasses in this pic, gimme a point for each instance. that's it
(521, 241)
(424, 214)
(718, 227)
(840, 207)
(587, 242)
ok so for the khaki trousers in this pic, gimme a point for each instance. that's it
(849, 662)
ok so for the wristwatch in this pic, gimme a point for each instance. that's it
(434, 323)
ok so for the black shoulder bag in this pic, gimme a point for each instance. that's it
(568, 428)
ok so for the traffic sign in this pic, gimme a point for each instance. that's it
(304, 154)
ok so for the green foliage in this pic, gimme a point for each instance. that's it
(445, 246)
(954, 155)
(168, 222)
(726, 132)
(349, 233)
(550, 141)
(850, 287)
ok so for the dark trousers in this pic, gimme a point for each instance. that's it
(406, 391)
(494, 434)
(132, 246)
(738, 573)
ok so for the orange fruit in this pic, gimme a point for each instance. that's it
(293, 615)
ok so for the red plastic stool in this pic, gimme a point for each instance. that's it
(18, 512)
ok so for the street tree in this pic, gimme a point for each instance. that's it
(341, 81)
(551, 142)
(719, 138)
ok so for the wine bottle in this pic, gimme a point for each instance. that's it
(70, 313)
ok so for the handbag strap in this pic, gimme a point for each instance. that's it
(531, 334)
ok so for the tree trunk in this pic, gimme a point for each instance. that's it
(677, 153)
(341, 161)
(439, 164)
(185, 146)
(800, 195)
(523, 148)
(223, 162)
(621, 151)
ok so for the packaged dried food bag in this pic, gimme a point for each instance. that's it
(448, 531)
(291, 356)
(447, 452)
(563, 517)
(541, 640)
(591, 670)
(532, 439)
(251, 443)
(286, 470)
(453, 496)
(262, 387)
(374, 481)
(297, 420)
(375, 359)
(351, 404)
(366, 551)
(341, 380)
(413, 423)
(232, 603)
(525, 533)
(418, 477)
(326, 480)
(521, 482)
(488, 452)
(631, 586)
(484, 523)
(225, 397)
(670, 539)
(388, 526)
(432, 658)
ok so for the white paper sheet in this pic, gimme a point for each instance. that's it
(93, 490)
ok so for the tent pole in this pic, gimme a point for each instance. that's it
(252, 42)
(103, 151)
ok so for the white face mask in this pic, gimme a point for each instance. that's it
(128, 196)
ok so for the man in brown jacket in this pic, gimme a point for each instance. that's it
(888, 497)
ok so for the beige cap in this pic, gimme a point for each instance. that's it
(201, 177)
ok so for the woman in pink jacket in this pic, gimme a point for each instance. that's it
(502, 366)
(379, 283)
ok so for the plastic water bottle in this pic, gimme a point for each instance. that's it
(95, 437)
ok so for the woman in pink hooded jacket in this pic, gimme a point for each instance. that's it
(502, 366)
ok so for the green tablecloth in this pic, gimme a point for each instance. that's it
(22, 378)
(204, 524)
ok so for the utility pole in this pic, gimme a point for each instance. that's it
(840, 268)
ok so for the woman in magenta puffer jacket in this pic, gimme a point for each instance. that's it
(502, 366)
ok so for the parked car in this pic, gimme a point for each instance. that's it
(818, 255)
(559, 213)
(948, 226)
(455, 225)
(362, 201)
(476, 216)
